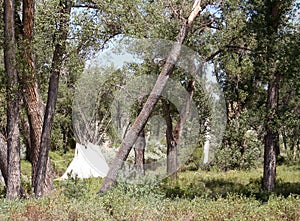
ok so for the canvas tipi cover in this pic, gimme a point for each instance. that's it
(1, 178)
(88, 162)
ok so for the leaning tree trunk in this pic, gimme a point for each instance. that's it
(12, 173)
(42, 185)
(147, 109)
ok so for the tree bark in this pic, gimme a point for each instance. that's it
(185, 111)
(296, 148)
(272, 136)
(35, 106)
(271, 141)
(44, 185)
(29, 83)
(147, 109)
(173, 136)
(13, 182)
(171, 143)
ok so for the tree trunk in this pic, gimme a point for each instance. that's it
(141, 120)
(171, 143)
(29, 83)
(44, 185)
(185, 110)
(147, 109)
(284, 140)
(173, 137)
(35, 106)
(35, 123)
(297, 148)
(13, 182)
(271, 137)
(271, 142)
(139, 151)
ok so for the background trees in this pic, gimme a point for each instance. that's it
(252, 45)
(249, 61)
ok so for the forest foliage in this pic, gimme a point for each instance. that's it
(251, 46)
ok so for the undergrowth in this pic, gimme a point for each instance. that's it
(201, 195)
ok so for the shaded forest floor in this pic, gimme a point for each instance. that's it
(197, 195)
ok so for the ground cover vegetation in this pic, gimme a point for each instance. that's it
(197, 195)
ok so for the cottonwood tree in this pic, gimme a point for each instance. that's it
(29, 85)
(31, 94)
(41, 117)
(40, 125)
(11, 171)
(251, 42)
(271, 37)
(173, 135)
(132, 135)
(231, 47)
(41, 186)
(253, 62)
(272, 17)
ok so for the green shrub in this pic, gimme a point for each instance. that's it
(241, 147)
(74, 187)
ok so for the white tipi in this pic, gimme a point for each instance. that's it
(1, 178)
(88, 162)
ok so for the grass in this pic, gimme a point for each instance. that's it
(200, 195)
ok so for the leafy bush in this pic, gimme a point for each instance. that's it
(194, 161)
(60, 161)
(241, 149)
(74, 187)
